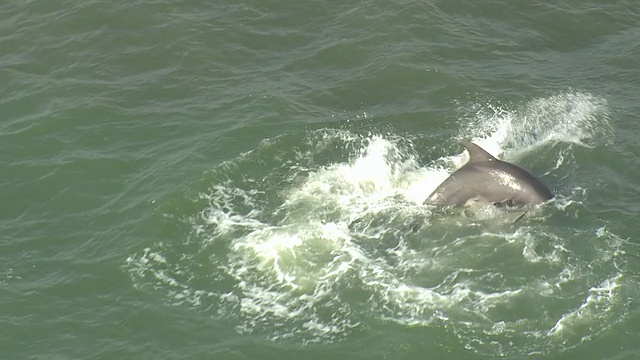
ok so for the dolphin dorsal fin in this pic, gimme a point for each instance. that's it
(476, 153)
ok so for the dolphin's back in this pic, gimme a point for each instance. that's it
(486, 180)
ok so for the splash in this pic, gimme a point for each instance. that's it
(570, 118)
(311, 237)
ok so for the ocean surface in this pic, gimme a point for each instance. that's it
(245, 179)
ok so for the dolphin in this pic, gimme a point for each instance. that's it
(485, 180)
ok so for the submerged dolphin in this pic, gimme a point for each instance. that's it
(485, 180)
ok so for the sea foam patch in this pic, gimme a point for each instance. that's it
(312, 237)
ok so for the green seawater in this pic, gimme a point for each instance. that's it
(244, 180)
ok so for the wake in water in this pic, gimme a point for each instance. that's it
(311, 238)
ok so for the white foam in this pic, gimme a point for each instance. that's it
(339, 246)
(596, 306)
(573, 117)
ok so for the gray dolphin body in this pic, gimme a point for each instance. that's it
(485, 180)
